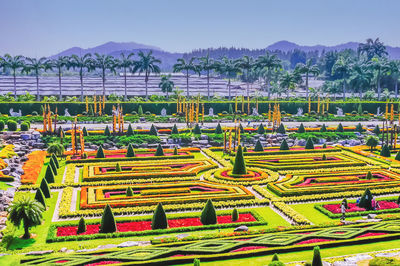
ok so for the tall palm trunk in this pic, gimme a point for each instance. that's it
(37, 87)
(59, 83)
(81, 77)
(307, 85)
(15, 84)
(126, 87)
(268, 88)
(229, 88)
(360, 92)
(187, 83)
(208, 84)
(378, 84)
(26, 235)
(104, 82)
(146, 79)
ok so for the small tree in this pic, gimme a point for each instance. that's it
(261, 129)
(107, 131)
(56, 148)
(84, 132)
(129, 192)
(365, 200)
(49, 175)
(284, 146)
(81, 226)
(339, 128)
(44, 186)
(130, 152)
(235, 215)
(108, 224)
(218, 129)
(281, 129)
(55, 160)
(385, 152)
(100, 153)
(258, 146)
(372, 142)
(176, 151)
(309, 144)
(197, 130)
(118, 168)
(159, 220)
(301, 129)
(129, 132)
(377, 130)
(323, 128)
(239, 168)
(208, 215)
(359, 128)
(159, 151)
(40, 197)
(317, 260)
(153, 130)
(174, 130)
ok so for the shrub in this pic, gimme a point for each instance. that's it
(53, 165)
(40, 197)
(108, 224)
(24, 127)
(208, 214)
(55, 159)
(235, 215)
(130, 152)
(118, 168)
(60, 132)
(284, 146)
(317, 260)
(324, 146)
(281, 129)
(153, 130)
(339, 128)
(276, 263)
(258, 146)
(385, 152)
(49, 175)
(159, 220)
(261, 129)
(196, 262)
(241, 128)
(359, 128)
(84, 132)
(218, 129)
(174, 130)
(309, 144)
(107, 131)
(197, 129)
(81, 226)
(140, 110)
(301, 129)
(345, 203)
(365, 201)
(11, 125)
(323, 128)
(397, 156)
(129, 132)
(129, 192)
(44, 187)
(324, 157)
(376, 130)
(239, 167)
(230, 109)
(369, 175)
(175, 151)
(245, 149)
(159, 151)
(100, 153)
(383, 261)
(275, 257)
(2, 125)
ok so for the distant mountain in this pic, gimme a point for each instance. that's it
(286, 46)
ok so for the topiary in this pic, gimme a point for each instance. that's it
(324, 146)
(153, 130)
(60, 132)
(241, 128)
(261, 129)
(208, 214)
(359, 128)
(196, 262)
(230, 110)
(281, 129)
(235, 215)
(385, 152)
(174, 130)
(44, 186)
(239, 168)
(397, 156)
(100, 153)
(159, 220)
(129, 192)
(324, 157)
(118, 168)
(197, 130)
(323, 128)
(40, 197)
(339, 128)
(140, 110)
(108, 224)
(24, 126)
(258, 146)
(159, 151)
(49, 175)
(2, 125)
(53, 166)
(275, 257)
(175, 151)
(284, 146)
(218, 129)
(301, 129)
(107, 131)
(376, 130)
(344, 201)
(129, 132)
(11, 125)
(55, 159)
(81, 226)
(317, 260)
(365, 200)
(130, 152)
(369, 175)
(84, 132)
(245, 149)
(276, 263)
(309, 144)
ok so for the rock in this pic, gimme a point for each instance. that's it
(40, 252)
(107, 246)
(26, 136)
(371, 216)
(182, 236)
(388, 255)
(3, 220)
(343, 263)
(241, 228)
(86, 250)
(357, 258)
(63, 250)
(128, 244)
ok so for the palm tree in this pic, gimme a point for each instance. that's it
(228, 68)
(13, 63)
(372, 48)
(268, 63)
(343, 67)
(380, 65)
(186, 65)
(81, 62)
(27, 211)
(148, 64)
(36, 65)
(394, 72)
(307, 68)
(166, 84)
(206, 64)
(246, 64)
(56, 148)
(125, 62)
(59, 63)
(104, 63)
(287, 82)
(361, 77)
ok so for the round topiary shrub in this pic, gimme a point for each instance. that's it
(208, 215)
(34, 113)
(134, 113)
(24, 127)
(11, 125)
(224, 112)
(147, 113)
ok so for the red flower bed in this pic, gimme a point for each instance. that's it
(314, 240)
(383, 205)
(104, 262)
(146, 225)
(371, 234)
(248, 248)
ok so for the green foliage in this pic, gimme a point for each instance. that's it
(218, 129)
(359, 128)
(372, 142)
(276, 263)
(153, 130)
(136, 139)
(197, 129)
(301, 129)
(159, 220)
(235, 215)
(44, 186)
(397, 156)
(118, 168)
(261, 129)
(241, 129)
(130, 152)
(365, 200)
(85, 132)
(230, 109)
(24, 126)
(55, 148)
(208, 214)
(281, 129)
(359, 109)
(323, 128)
(53, 166)
(159, 151)
(309, 144)
(129, 192)
(108, 224)
(55, 159)
(81, 226)
(369, 175)
(324, 146)
(49, 175)
(11, 125)
(239, 168)
(245, 149)
(339, 128)
(129, 132)
(383, 261)
(275, 257)
(174, 130)
(2, 125)
(324, 157)
(284, 146)
(317, 260)
(196, 262)
(107, 131)
(140, 110)
(40, 197)
(258, 146)
(100, 153)
(377, 130)
(385, 152)
(60, 132)
(175, 151)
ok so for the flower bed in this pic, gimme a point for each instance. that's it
(352, 207)
(33, 166)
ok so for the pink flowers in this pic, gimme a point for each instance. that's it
(383, 205)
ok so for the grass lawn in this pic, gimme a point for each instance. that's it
(4, 186)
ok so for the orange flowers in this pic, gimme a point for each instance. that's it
(32, 167)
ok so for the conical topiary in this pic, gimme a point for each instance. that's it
(258, 146)
(129, 192)
(275, 257)
(159, 151)
(309, 144)
(281, 129)
(369, 175)
(241, 128)
(84, 132)
(60, 132)
(107, 131)
(49, 175)
(174, 130)
(261, 129)
(359, 128)
(118, 168)
(197, 129)
(55, 160)
(129, 132)
(153, 130)
(301, 129)
(108, 224)
(239, 168)
(323, 128)
(40, 197)
(159, 220)
(140, 110)
(324, 146)
(208, 215)
(230, 110)
(339, 128)
(385, 152)
(196, 262)
(100, 153)
(365, 200)
(176, 151)
(218, 129)
(284, 146)
(235, 215)
(53, 166)
(397, 156)
(44, 186)
(317, 260)
(130, 152)
(245, 149)
(81, 226)
(377, 130)
(324, 157)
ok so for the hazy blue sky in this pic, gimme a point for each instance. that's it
(45, 27)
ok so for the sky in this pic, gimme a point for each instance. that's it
(38, 28)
